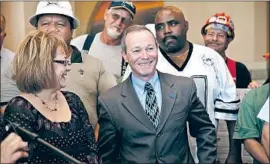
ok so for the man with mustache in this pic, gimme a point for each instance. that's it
(105, 45)
(180, 57)
(218, 33)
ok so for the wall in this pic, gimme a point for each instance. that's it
(252, 25)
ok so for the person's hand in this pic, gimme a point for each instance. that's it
(13, 148)
(254, 84)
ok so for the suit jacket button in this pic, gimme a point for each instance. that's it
(160, 158)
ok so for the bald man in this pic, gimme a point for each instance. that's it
(178, 56)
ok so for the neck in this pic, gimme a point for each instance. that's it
(181, 53)
(47, 94)
(145, 78)
(106, 39)
(69, 53)
(223, 55)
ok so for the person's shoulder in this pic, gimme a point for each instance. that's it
(8, 54)
(241, 66)
(257, 94)
(205, 51)
(91, 59)
(93, 62)
(176, 79)
(112, 92)
(19, 100)
(17, 104)
(79, 41)
(79, 38)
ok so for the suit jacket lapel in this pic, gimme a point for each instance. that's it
(168, 99)
(131, 102)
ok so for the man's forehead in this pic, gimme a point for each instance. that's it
(53, 16)
(213, 30)
(168, 14)
(122, 12)
(144, 34)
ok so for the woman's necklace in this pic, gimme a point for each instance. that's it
(46, 105)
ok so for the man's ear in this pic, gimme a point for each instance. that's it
(124, 55)
(186, 26)
(106, 14)
(229, 39)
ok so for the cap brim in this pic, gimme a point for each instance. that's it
(53, 10)
(33, 20)
(123, 7)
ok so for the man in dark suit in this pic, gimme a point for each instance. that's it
(144, 119)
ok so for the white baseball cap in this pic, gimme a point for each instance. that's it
(54, 7)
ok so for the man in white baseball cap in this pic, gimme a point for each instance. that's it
(61, 8)
(87, 77)
(58, 14)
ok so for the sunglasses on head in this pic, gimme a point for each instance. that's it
(63, 62)
(124, 20)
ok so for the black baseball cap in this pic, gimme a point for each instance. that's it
(129, 6)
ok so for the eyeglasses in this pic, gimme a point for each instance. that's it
(64, 62)
(124, 20)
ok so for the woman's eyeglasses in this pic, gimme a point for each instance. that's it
(64, 62)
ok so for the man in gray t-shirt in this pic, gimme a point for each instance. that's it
(106, 45)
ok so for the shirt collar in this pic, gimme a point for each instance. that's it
(139, 84)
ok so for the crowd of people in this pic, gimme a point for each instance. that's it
(129, 94)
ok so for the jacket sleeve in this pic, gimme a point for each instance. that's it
(202, 128)
(108, 138)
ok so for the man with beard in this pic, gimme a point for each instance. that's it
(105, 45)
(178, 56)
(218, 32)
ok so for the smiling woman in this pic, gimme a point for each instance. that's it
(41, 68)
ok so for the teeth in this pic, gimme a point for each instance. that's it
(145, 63)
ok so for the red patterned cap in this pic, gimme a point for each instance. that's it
(222, 19)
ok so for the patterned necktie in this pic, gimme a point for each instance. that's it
(151, 107)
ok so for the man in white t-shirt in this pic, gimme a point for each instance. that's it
(5, 54)
(6, 58)
(106, 45)
(177, 56)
